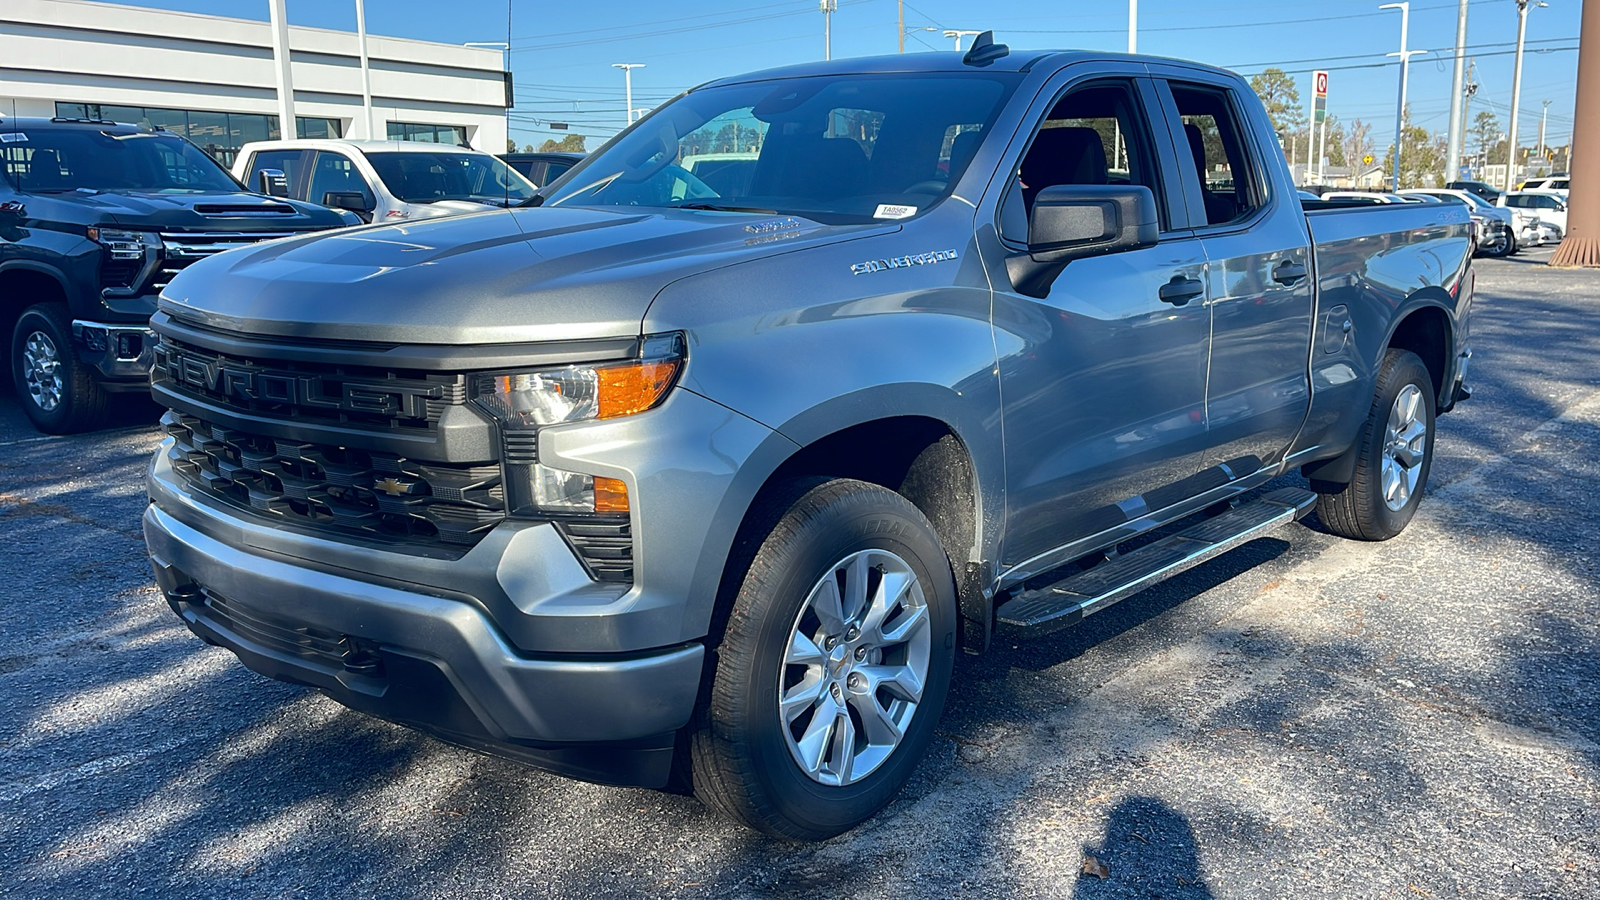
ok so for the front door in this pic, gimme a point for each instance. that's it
(1102, 381)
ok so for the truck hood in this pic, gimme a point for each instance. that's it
(524, 275)
(230, 211)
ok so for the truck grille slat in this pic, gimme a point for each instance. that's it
(367, 494)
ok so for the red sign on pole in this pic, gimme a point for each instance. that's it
(1321, 79)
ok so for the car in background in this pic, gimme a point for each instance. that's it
(543, 167)
(1549, 207)
(726, 173)
(1560, 183)
(95, 218)
(382, 181)
(1482, 188)
(1510, 222)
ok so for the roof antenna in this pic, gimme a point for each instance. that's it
(984, 50)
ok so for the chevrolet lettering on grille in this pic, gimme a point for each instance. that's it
(241, 381)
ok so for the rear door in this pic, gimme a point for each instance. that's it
(1259, 295)
(1102, 381)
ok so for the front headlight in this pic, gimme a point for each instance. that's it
(125, 245)
(527, 401)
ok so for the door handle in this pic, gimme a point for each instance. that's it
(1289, 272)
(1180, 290)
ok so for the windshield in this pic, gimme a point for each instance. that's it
(837, 149)
(431, 176)
(55, 160)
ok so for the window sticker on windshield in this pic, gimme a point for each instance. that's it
(12, 137)
(892, 211)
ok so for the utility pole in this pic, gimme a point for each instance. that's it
(627, 77)
(959, 33)
(900, 6)
(829, 7)
(1405, 70)
(280, 63)
(1458, 110)
(1133, 26)
(1468, 93)
(1516, 89)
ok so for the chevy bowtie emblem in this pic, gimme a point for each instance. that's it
(393, 486)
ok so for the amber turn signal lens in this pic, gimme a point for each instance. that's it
(610, 495)
(634, 388)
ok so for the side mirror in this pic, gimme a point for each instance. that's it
(273, 182)
(1070, 221)
(355, 201)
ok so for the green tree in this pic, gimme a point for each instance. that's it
(572, 143)
(1422, 159)
(511, 146)
(1281, 98)
(1485, 131)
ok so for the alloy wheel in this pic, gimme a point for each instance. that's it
(41, 371)
(1405, 447)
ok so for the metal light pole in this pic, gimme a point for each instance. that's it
(627, 77)
(1458, 110)
(366, 69)
(280, 65)
(1133, 26)
(1405, 68)
(900, 6)
(1516, 89)
(959, 33)
(829, 7)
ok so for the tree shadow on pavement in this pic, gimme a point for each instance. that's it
(1148, 850)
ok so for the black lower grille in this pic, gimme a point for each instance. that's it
(338, 651)
(335, 488)
(605, 548)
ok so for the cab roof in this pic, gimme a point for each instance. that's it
(945, 61)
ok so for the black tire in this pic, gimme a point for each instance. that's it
(740, 756)
(1360, 511)
(80, 403)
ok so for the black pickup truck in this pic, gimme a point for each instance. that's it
(95, 219)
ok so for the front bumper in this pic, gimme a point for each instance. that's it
(121, 353)
(432, 662)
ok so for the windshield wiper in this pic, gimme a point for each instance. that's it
(724, 207)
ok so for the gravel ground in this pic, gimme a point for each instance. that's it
(1305, 716)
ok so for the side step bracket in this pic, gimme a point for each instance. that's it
(1066, 602)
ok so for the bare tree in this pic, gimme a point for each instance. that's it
(1357, 143)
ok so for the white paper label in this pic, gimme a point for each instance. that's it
(891, 211)
(12, 137)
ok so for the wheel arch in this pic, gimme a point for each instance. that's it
(24, 283)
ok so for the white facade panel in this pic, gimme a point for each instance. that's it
(79, 52)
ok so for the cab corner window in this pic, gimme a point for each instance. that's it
(1092, 136)
(1215, 144)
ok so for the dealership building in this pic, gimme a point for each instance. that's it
(212, 79)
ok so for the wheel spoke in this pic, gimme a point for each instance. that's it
(819, 734)
(891, 589)
(803, 651)
(844, 745)
(802, 696)
(1411, 398)
(910, 622)
(879, 726)
(855, 587)
(901, 681)
(825, 601)
(1391, 484)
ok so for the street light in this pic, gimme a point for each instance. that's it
(829, 7)
(627, 77)
(1516, 87)
(959, 33)
(1405, 69)
(1133, 26)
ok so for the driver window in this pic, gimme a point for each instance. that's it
(1091, 136)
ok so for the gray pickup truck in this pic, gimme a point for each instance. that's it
(691, 483)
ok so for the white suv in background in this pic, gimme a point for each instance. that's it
(382, 181)
(1549, 206)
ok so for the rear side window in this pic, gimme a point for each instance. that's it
(1215, 143)
(335, 172)
(289, 162)
(554, 170)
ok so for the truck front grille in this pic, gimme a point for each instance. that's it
(355, 492)
(309, 392)
(180, 248)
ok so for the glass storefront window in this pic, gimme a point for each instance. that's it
(436, 134)
(219, 134)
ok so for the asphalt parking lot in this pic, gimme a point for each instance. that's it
(1304, 717)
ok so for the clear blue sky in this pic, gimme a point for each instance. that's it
(562, 52)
